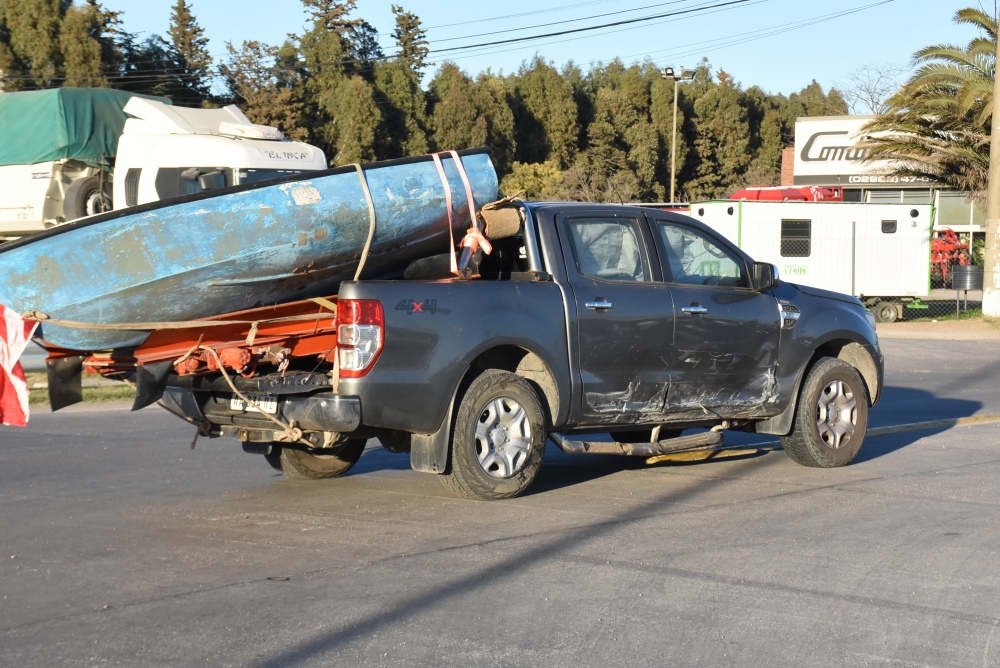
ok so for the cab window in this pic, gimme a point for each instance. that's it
(693, 258)
(609, 249)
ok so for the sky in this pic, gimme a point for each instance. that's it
(779, 45)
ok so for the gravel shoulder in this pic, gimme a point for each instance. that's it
(944, 330)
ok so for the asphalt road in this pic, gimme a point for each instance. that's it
(33, 358)
(121, 546)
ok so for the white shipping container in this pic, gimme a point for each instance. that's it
(878, 252)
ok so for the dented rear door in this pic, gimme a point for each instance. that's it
(624, 316)
(726, 333)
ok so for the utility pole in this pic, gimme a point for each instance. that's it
(683, 75)
(991, 260)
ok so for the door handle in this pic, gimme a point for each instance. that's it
(694, 309)
(599, 305)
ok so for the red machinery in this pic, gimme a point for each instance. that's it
(790, 194)
(946, 250)
(240, 341)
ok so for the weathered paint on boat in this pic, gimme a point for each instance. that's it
(241, 248)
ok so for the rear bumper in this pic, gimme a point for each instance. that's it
(322, 411)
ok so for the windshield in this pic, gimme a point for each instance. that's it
(254, 175)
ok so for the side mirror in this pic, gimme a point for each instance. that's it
(765, 276)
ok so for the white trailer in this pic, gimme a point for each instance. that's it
(877, 252)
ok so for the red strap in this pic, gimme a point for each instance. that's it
(468, 188)
(474, 238)
(447, 199)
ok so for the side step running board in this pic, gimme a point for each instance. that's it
(708, 439)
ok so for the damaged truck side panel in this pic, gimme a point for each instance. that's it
(634, 322)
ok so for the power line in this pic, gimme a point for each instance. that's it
(487, 52)
(736, 39)
(555, 23)
(754, 35)
(522, 14)
(589, 28)
(215, 80)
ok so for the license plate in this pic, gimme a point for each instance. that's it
(267, 404)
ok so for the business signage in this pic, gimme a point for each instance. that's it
(828, 153)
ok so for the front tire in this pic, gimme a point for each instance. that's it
(831, 418)
(302, 465)
(498, 440)
(87, 197)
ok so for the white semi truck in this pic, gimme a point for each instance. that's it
(72, 152)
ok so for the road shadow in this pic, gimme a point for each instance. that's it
(899, 407)
(904, 415)
(309, 650)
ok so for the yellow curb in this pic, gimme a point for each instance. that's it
(702, 455)
(753, 448)
(935, 424)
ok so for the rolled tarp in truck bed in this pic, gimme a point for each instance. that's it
(79, 123)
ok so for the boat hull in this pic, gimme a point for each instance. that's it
(242, 248)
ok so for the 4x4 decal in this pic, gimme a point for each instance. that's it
(412, 306)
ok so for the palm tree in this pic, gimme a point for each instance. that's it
(938, 124)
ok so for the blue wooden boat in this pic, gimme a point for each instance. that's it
(237, 248)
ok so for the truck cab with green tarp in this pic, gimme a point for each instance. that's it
(72, 152)
(57, 154)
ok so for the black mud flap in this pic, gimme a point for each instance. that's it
(429, 452)
(65, 381)
(150, 382)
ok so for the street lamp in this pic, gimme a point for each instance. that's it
(683, 75)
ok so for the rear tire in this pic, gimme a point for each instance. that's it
(498, 440)
(831, 418)
(301, 465)
(885, 312)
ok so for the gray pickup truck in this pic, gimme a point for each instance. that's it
(607, 329)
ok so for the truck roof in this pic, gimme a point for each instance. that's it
(154, 117)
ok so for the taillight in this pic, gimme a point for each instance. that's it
(359, 335)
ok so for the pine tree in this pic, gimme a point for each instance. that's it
(468, 114)
(620, 162)
(363, 47)
(765, 167)
(145, 66)
(411, 39)
(455, 117)
(723, 140)
(29, 54)
(494, 108)
(332, 15)
(80, 51)
(535, 180)
(341, 111)
(545, 114)
(356, 118)
(812, 101)
(90, 44)
(254, 87)
(405, 124)
(188, 49)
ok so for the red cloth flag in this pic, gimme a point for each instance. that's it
(15, 332)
